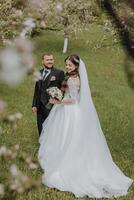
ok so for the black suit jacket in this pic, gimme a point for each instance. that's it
(54, 79)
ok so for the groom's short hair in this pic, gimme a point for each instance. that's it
(46, 54)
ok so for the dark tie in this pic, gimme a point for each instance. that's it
(46, 72)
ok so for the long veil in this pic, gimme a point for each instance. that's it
(91, 123)
(95, 137)
(86, 103)
(85, 93)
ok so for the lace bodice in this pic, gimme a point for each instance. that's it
(72, 93)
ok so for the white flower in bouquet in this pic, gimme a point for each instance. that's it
(55, 93)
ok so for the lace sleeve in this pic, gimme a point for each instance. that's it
(73, 89)
(72, 95)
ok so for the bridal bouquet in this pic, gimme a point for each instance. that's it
(54, 93)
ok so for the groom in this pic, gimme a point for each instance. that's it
(51, 77)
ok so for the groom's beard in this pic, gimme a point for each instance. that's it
(48, 67)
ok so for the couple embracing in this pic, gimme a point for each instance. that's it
(73, 151)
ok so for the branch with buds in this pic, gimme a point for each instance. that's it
(17, 181)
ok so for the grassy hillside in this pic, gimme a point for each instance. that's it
(112, 97)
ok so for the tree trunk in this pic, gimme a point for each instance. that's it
(65, 47)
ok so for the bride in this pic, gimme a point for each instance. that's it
(73, 150)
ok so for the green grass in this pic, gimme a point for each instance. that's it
(111, 94)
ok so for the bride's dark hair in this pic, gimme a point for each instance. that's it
(76, 61)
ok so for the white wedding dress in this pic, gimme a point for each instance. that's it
(73, 151)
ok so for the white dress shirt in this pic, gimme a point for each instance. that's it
(49, 70)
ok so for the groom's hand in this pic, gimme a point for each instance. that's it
(34, 109)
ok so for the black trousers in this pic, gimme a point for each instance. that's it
(42, 114)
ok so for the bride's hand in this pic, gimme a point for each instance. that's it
(54, 101)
